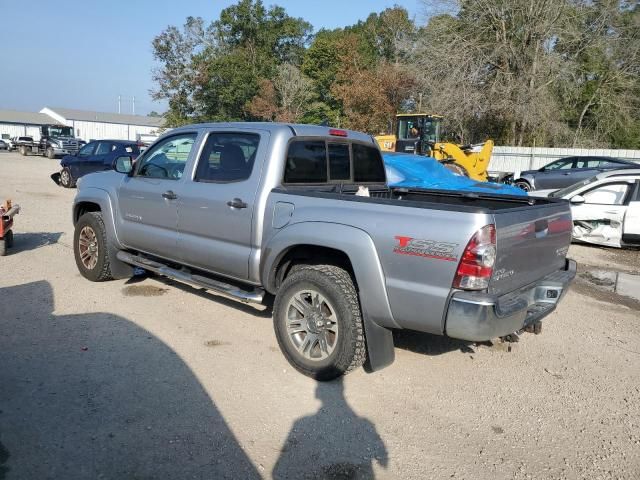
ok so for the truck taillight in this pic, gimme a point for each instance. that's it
(476, 266)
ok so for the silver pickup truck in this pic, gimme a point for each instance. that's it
(301, 215)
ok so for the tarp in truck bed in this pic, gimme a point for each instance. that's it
(413, 171)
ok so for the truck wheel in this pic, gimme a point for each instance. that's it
(23, 151)
(66, 180)
(50, 153)
(523, 184)
(90, 248)
(317, 321)
(3, 247)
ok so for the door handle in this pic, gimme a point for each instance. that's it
(237, 203)
(567, 173)
(169, 195)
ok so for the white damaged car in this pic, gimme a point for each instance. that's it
(605, 208)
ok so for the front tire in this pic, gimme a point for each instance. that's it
(318, 323)
(50, 153)
(66, 180)
(90, 248)
(523, 185)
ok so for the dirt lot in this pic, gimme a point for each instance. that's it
(150, 379)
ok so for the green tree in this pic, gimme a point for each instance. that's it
(212, 72)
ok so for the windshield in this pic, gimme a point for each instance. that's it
(52, 131)
(425, 128)
(571, 188)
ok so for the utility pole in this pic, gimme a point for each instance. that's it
(119, 101)
(133, 106)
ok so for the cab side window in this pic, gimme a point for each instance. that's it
(227, 157)
(168, 158)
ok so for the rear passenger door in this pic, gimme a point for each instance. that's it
(216, 207)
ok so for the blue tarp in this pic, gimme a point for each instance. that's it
(414, 171)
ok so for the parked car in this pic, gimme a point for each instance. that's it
(4, 145)
(605, 208)
(567, 171)
(94, 157)
(256, 210)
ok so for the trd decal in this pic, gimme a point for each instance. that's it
(426, 248)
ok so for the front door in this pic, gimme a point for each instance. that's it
(216, 209)
(148, 200)
(558, 174)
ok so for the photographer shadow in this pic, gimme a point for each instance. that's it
(333, 443)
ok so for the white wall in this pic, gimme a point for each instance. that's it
(515, 159)
(18, 130)
(115, 131)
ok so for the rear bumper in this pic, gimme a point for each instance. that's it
(479, 316)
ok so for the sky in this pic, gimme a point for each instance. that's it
(85, 53)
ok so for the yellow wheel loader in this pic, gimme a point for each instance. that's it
(419, 133)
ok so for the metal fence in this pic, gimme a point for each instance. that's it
(516, 159)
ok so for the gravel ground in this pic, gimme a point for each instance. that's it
(147, 378)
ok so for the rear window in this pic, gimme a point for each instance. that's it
(339, 161)
(319, 161)
(306, 162)
(367, 165)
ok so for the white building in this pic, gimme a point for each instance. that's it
(87, 125)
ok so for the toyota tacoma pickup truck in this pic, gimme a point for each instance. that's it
(300, 217)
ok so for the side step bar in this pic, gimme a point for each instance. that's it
(237, 293)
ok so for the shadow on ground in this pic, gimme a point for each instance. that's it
(427, 344)
(333, 443)
(95, 396)
(256, 311)
(23, 242)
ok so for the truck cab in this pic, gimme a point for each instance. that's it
(58, 140)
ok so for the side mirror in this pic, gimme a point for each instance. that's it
(123, 164)
(577, 200)
(543, 169)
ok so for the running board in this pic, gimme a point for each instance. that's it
(237, 293)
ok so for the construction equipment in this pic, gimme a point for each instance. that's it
(419, 133)
(7, 212)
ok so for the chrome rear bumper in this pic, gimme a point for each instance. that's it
(480, 316)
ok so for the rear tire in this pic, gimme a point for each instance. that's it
(318, 323)
(66, 180)
(523, 185)
(23, 151)
(50, 153)
(90, 248)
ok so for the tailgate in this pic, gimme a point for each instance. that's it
(531, 242)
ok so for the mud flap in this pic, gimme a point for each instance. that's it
(380, 349)
(56, 178)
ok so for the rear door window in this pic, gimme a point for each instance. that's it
(306, 162)
(368, 166)
(227, 157)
